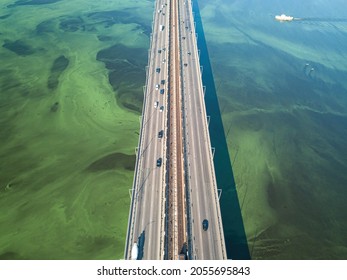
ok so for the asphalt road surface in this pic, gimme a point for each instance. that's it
(203, 202)
(147, 218)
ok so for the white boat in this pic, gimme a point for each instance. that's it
(283, 17)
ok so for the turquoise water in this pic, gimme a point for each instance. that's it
(282, 94)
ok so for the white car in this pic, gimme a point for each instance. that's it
(156, 103)
(157, 86)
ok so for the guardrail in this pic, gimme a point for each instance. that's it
(165, 201)
(185, 149)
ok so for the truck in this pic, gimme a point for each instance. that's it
(134, 252)
(161, 27)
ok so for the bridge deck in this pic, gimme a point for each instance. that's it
(169, 202)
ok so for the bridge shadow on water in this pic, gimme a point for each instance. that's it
(234, 232)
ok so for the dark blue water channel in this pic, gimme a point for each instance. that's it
(234, 232)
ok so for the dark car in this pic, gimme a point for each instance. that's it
(157, 70)
(159, 160)
(205, 225)
(162, 91)
(162, 82)
(160, 134)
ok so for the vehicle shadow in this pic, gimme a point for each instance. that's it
(140, 245)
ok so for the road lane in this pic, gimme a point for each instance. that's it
(202, 179)
(147, 216)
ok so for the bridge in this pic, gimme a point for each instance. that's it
(174, 187)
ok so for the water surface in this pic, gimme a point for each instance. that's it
(283, 98)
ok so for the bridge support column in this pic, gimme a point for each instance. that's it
(149, 55)
(147, 70)
(131, 193)
(219, 193)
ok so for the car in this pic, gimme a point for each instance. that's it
(189, 53)
(161, 108)
(156, 103)
(157, 70)
(159, 51)
(162, 91)
(160, 134)
(157, 86)
(205, 225)
(163, 61)
(159, 160)
(162, 82)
